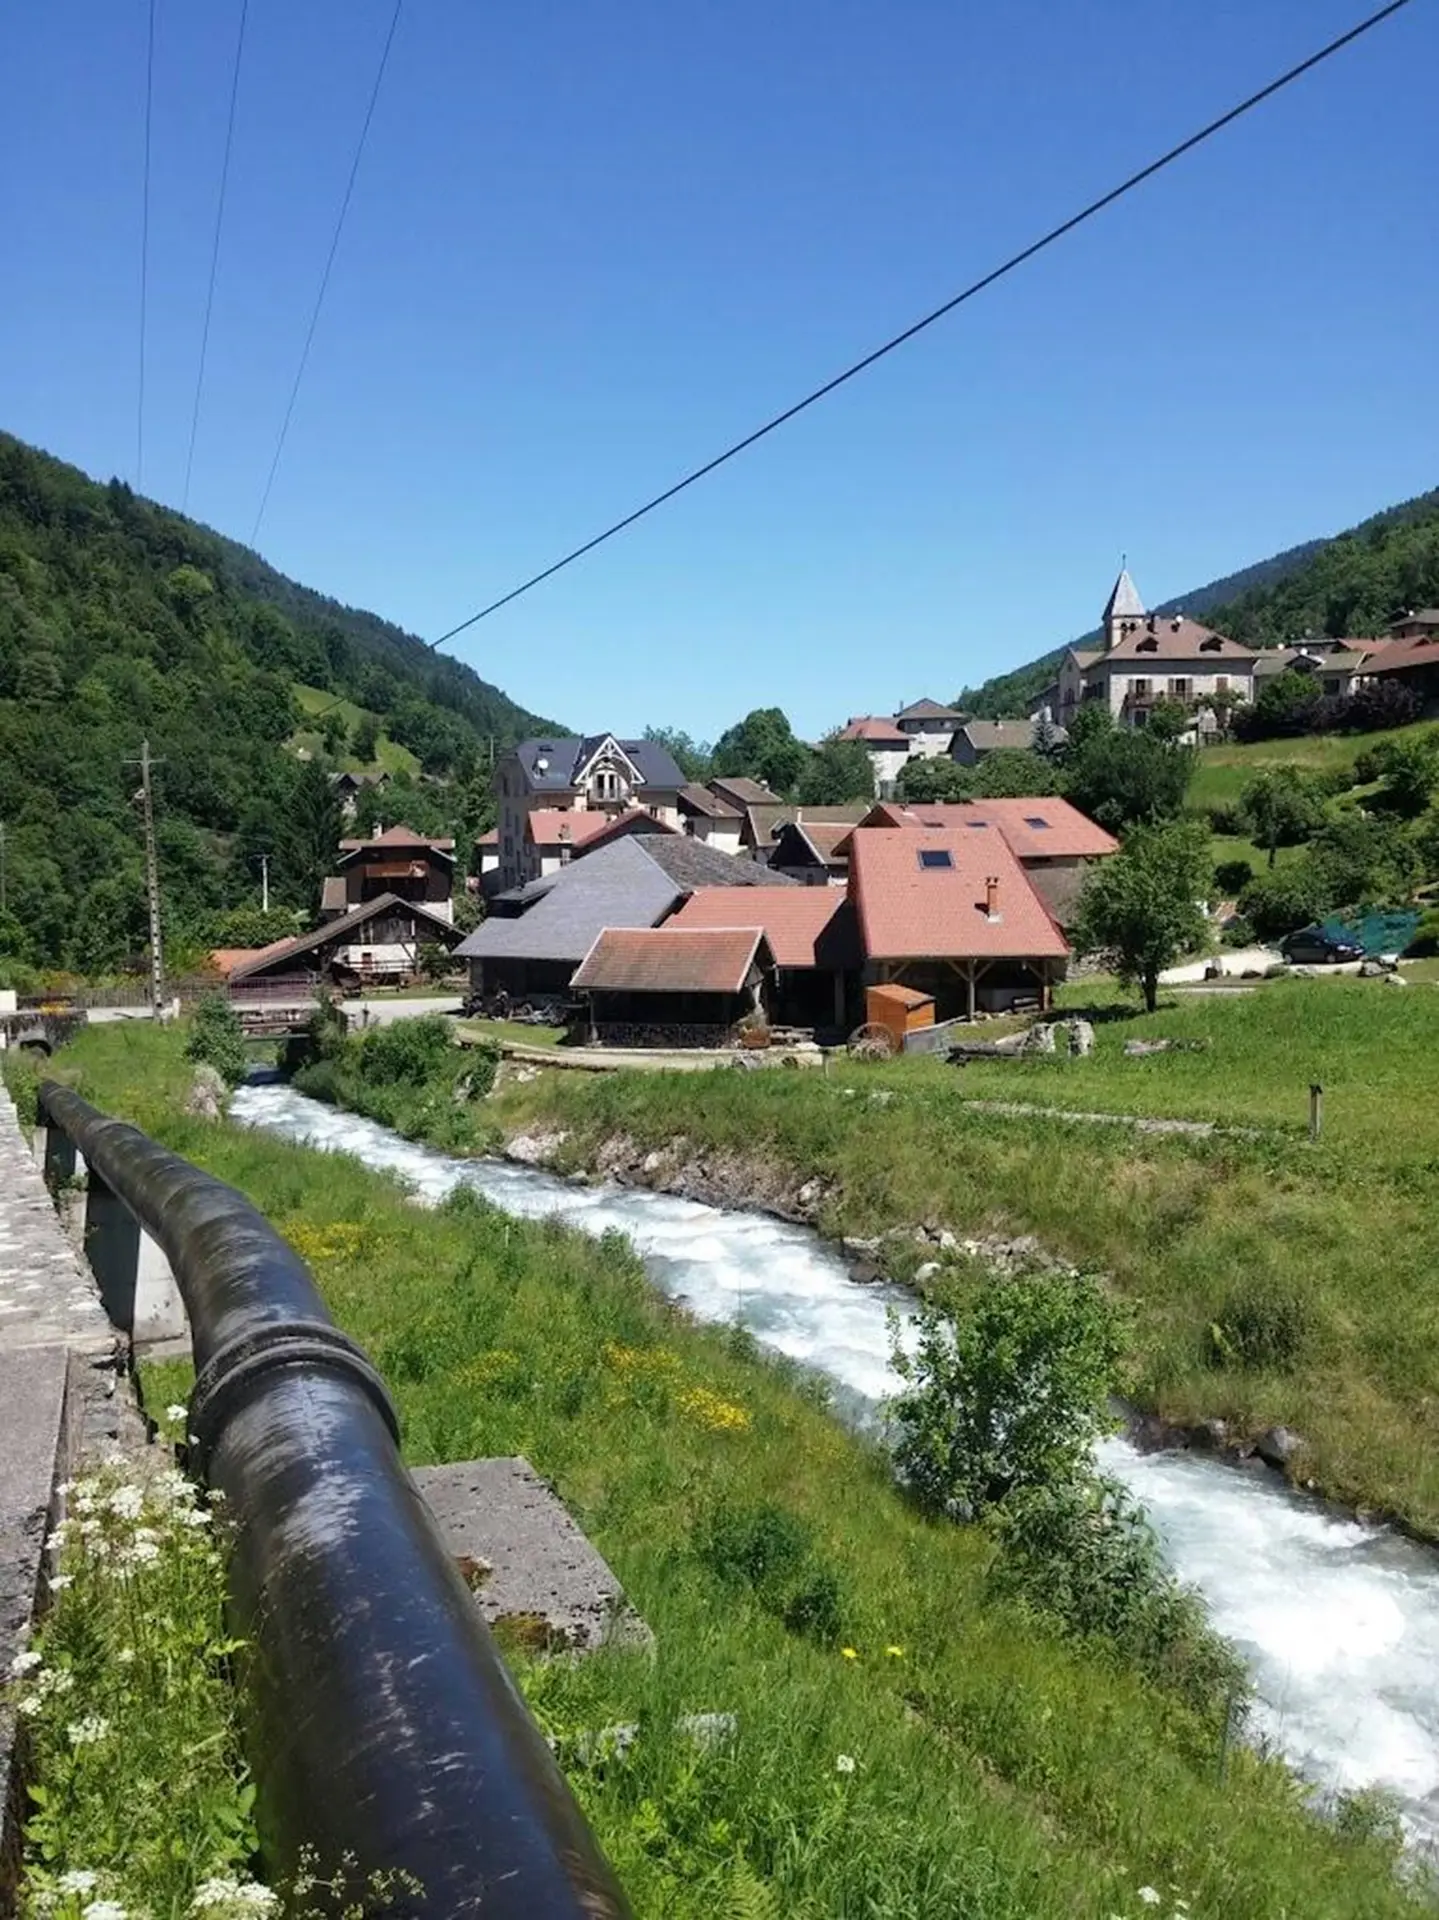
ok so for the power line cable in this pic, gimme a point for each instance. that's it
(975, 287)
(145, 249)
(215, 252)
(329, 263)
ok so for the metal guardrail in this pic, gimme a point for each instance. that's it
(384, 1728)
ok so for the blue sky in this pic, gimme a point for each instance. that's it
(591, 245)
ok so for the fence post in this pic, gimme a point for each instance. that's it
(1316, 1110)
(58, 1158)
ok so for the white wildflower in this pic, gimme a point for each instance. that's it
(65, 1489)
(176, 1413)
(25, 1663)
(84, 1502)
(142, 1553)
(103, 1910)
(195, 1517)
(844, 1763)
(58, 1537)
(88, 1732)
(77, 1880)
(125, 1656)
(54, 1680)
(229, 1899)
(128, 1501)
(29, 1703)
(1149, 1896)
(59, 1582)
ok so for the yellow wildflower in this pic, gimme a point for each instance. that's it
(848, 1653)
(709, 1410)
(895, 1653)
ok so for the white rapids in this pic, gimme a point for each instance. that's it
(1339, 1622)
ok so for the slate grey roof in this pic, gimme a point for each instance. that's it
(564, 755)
(697, 799)
(987, 735)
(929, 710)
(690, 864)
(615, 886)
(627, 883)
(1124, 602)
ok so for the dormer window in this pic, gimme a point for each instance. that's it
(1212, 645)
(607, 784)
(1149, 645)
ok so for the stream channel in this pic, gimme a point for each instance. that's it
(1338, 1622)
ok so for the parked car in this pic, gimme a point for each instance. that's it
(1320, 947)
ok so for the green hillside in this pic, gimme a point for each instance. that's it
(121, 620)
(1353, 584)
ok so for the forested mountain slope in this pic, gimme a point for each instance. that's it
(1353, 583)
(120, 619)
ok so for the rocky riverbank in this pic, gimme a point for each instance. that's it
(917, 1255)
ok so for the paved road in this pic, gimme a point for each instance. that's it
(380, 1012)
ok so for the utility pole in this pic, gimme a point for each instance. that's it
(152, 881)
(264, 883)
(2, 866)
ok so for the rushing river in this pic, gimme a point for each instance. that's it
(1339, 1622)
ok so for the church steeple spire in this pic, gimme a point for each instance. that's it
(1123, 604)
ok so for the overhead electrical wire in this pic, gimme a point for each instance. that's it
(145, 248)
(329, 263)
(1006, 267)
(215, 252)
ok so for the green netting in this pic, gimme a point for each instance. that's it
(1377, 932)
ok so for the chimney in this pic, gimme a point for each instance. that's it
(991, 900)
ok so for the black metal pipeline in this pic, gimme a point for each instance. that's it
(385, 1730)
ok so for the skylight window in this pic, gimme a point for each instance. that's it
(935, 857)
(976, 823)
(1037, 821)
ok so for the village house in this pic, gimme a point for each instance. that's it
(671, 987)
(888, 746)
(813, 851)
(1145, 658)
(600, 775)
(347, 788)
(397, 861)
(1336, 666)
(929, 727)
(538, 934)
(380, 942)
(813, 942)
(951, 913)
(709, 816)
(976, 738)
(1052, 840)
(1416, 624)
(1410, 658)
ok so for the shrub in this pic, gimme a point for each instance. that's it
(1426, 935)
(1276, 903)
(1005, 1392)
(1263, 1325)
(218, 1039)
(1381, 705)
(405, 1053)
(1231, 877)
(1228, 818)
(768, 1549)
(1084, 1553)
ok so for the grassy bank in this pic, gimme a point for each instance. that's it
(916, 1748)
(1273, 1281)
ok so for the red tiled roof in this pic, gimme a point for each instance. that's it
(875, 733)
(566, 826)
(1395, 656)
(490, 839)
(793, 918)
(1066, 833)
(226, 959)
(912, 909)
(397, 836)
(670, 960)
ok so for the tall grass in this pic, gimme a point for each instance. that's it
(924, 1749)
(1343, 1234)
